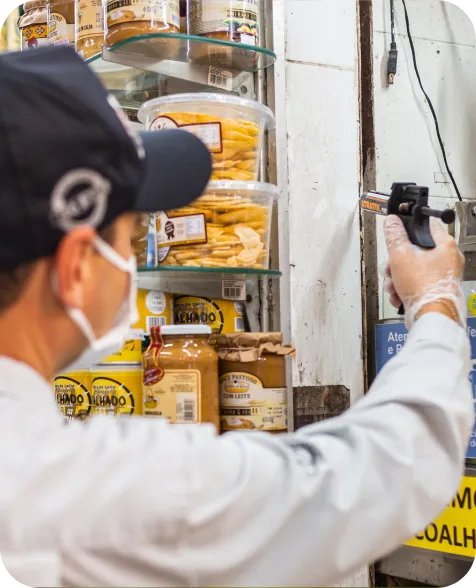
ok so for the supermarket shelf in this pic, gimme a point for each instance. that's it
(200, 281)
(125, 67)
(203, 51)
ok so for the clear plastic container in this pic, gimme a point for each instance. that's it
(140, 240)
(232, 128)
(230, 226)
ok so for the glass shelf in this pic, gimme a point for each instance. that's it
(204, 273)
(195, 50)
(202, 281)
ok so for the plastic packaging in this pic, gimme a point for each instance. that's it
(232, 128)
(230, 226)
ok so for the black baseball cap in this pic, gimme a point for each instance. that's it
(69, 158)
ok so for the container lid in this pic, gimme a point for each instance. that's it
(34, 4)
(251, 188)
(209, 97)
(186, 330)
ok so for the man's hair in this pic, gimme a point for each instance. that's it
(13, 282)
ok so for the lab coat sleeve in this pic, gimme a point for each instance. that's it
(309, 509)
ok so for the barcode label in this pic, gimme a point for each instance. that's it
(220, 56)
(239, 325)
(220, 78)
(155, 321)
(234, 290)
(186, 408)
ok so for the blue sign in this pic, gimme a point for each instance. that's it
(390, 339)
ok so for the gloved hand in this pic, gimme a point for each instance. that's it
(420, 277)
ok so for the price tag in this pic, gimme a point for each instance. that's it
(234, 289)
(220, 78)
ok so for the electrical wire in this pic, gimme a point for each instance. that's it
(430, 104)
(392, 62)
(392, 20)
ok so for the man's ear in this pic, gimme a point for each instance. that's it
(73, 265)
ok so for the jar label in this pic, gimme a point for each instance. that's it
(59, 31)
(246, 404)
(34, 36)
(126, 11)
(132, 350)
(155, 309)
(176, 397)
(90, 17)
(180, 230)
(237, 17)
(221, 315)
(117, 394)
(209, 133)
(73, 395)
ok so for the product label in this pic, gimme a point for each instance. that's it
(132, 350)
(34, 36)
(155, 310)
(175, 397)
(90, 18)
(222, 316)
(246, 404)
(60, 32)
(180, 230)
(234, 289)
(163, 11)
(209, 133)
(220, 78)
(238, 17)
(117, 394)
(73, 395)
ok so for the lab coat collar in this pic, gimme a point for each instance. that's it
(21, 382)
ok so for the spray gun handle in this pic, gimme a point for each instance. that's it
(410, 203)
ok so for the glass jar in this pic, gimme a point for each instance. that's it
(132, 18)
(253, 388)
(225, 20)
(89, 27)
(181, 375)
(61, 22)
(33, 25)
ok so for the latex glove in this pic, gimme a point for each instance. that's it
(418, 277)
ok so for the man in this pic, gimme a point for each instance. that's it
(144, 503)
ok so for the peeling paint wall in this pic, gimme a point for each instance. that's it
(317, 92)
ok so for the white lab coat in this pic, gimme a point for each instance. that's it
(141, 503)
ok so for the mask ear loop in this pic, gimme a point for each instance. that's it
(126, 265)
(75, 314)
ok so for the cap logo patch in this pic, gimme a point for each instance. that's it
(79, 198)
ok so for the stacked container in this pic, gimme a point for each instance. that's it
(230, 225)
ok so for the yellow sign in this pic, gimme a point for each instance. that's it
(455, 531)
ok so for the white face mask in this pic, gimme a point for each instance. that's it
(114, 340)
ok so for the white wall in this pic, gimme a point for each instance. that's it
(406, 144)
(318, 166)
